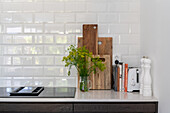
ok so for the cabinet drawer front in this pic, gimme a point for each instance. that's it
(131, 107)
(36, 107)
(97, 108)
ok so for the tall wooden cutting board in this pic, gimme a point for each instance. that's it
(105, 48)
(90, 37)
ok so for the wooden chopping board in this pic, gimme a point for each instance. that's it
(102, 79)
(90, 40)
(104, 48)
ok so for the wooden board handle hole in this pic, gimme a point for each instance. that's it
(102, 59)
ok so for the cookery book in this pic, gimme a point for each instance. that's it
(120, 77)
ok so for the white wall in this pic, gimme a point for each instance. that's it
(155, 43)
(35, 33)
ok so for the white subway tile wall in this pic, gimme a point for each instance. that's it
(34, 35)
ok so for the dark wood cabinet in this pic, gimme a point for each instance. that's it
(36, 107)
(79, 107)
(126, 107)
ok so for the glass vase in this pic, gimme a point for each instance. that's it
(84, 83)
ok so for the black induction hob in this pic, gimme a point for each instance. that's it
(47, 92)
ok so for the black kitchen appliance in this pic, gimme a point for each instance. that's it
(37, 92)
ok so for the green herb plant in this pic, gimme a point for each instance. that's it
(80, 58)
(83, 60)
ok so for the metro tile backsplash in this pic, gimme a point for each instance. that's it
(34, 35)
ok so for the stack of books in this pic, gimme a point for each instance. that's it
(120, 77)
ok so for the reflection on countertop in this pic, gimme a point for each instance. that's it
(111, 95)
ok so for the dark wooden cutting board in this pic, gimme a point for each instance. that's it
(90, 37)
